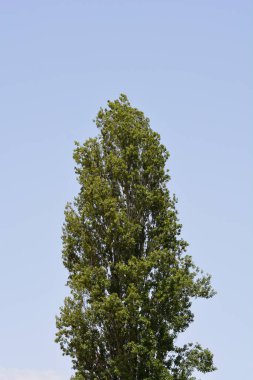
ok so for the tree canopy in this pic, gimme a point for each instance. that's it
(131, 281)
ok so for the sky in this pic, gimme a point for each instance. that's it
(187, 64)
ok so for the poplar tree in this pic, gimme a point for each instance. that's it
(131, 281)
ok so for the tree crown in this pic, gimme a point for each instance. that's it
(131, 283)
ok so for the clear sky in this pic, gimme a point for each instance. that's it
(188, 65)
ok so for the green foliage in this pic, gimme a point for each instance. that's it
(131, 283)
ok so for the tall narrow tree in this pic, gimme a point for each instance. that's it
(131, 282)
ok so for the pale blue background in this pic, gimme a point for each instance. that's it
(187, 64)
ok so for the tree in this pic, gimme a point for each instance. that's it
(131, 282)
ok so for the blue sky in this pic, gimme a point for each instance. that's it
(188, 65)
